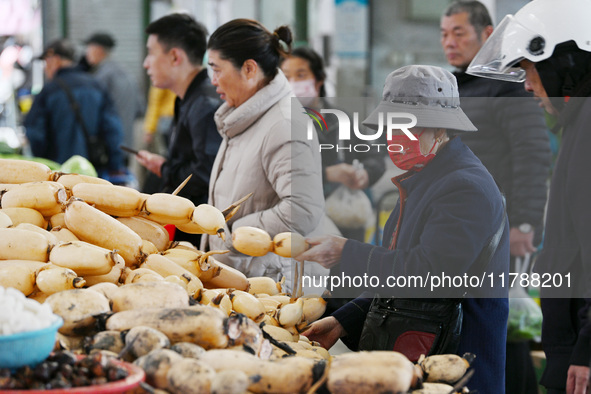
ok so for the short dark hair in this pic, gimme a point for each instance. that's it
(103, 39)
(477, 13)
(62, 47)
(315, 62)
(243, 39)
(181, 31)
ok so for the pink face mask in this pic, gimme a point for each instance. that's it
(305, 90)
(409, 156)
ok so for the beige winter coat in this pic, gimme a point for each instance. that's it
(265, 150)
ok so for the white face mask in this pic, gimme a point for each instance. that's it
(305, 90)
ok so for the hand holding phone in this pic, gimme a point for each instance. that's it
(128, 150)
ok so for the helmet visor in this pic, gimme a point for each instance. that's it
(505, 47)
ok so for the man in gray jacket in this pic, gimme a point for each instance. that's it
(119, 83)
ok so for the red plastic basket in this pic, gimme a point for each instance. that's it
(132, 381)
(171, 228)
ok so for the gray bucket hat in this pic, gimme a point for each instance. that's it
(430, 93)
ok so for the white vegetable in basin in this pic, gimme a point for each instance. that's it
(19, 314)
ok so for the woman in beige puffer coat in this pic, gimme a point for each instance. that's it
(265, 147)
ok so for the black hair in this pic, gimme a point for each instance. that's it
(243, 39)
(566, 73)
(63, 47)
(316, 65)
(181, 31)
(477, 13)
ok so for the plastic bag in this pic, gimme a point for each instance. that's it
(348, 208)
(525, 315)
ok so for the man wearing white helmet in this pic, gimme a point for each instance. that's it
(512, 142)
(548, 44)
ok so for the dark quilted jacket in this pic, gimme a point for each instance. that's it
(512, 143)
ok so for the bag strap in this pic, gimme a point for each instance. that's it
(485, 257)
(75, 107)
(486, 254)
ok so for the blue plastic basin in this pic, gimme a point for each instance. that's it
(29, 347)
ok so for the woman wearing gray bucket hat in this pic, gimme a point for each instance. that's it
(449, 224)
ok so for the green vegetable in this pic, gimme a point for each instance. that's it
(525, 320)
(78, 165)
(7, 149)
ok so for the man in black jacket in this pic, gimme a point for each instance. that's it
(513, 145)
(176, 47)
(555, 62)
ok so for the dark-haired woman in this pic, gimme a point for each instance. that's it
(263, 150)
(304, 69)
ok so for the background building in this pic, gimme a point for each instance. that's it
(361, 40)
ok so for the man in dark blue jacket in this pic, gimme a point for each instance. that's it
(449, 211)
(52, 127)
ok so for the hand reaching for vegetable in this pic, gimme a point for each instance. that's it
(325, 331)
(325, 250)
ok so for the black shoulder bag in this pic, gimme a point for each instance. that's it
(98, 152)
(415, 326)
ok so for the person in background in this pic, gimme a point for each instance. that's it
(549, 45)
(52, 127)
(513, 145)
(304, 69)
(159, 115)
(176, 47)
(449, 210)
(120, 84)
(519, 160)
(157, 124)
(262, 151)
